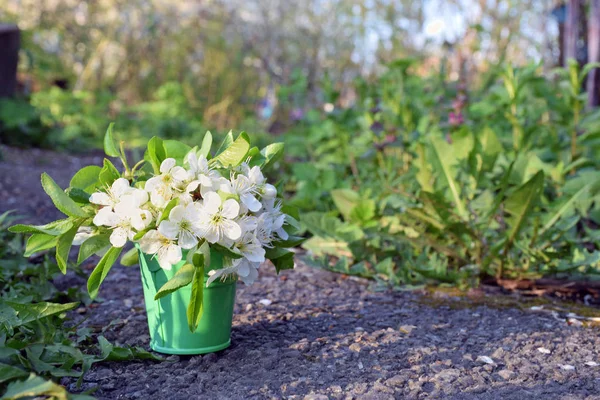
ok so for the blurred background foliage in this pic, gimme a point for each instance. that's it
(177, 68)
(428, 140)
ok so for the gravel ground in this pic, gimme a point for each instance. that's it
(311, 334)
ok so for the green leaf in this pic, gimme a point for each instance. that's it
(182, 278)
(87, 178)
(176, 149)
(93, 245)
(38, 242)
(227, 141)
(54, 228)
(225, 251)
(60, 199)
(167, 210)
(281, 258)
(236, 152)
(443, 154)
(345, 200)
(8, 372)
(363, 212)
(569, 206)
(206, 145)
(99, 273)
(109, 352)
(520, 203)
(63, 247)
(108, 174)
(109, 144)
(155, 153)
(272, 153)
(35, 311)
(424, 176)
(78, 195)
(291, 241)
(196, 305)
(35, 387)
(130, 258)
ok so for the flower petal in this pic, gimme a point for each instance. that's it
(169, 229)
(101, 198)
(179, 173)
(166, 165)
(231, 209)
(231, 229)
(187, 240)
(250, 201)
(118, 237)
(106, 217)
(212, 203)
(120, 187)
(177, 213)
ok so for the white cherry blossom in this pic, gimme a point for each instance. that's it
(184, 224)
(113, 194)
(217, 218)
(163, 187)
(166, 251)
(125, 220)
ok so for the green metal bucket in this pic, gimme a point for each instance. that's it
(167, 318)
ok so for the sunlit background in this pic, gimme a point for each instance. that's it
(180, 67)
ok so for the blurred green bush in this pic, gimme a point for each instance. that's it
(426, 181)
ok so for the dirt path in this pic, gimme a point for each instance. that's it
(313, 334)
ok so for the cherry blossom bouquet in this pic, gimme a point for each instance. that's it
(178, 204)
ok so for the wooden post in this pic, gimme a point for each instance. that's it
(572, 29)
(9, 57)
(593, 79)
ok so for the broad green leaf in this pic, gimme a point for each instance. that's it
(424, 176)
(206, 145)
(93, 245)
(63, 247)
(568, 207)
(227, 141)
(272, 153)
(35, 311)
(35, 387)
(87, 178)
(8, 373)
(130, 258)
(236, 152)
(78, 195)
(291, 241)
(182, 278)
(109, 352)
(281, 258)
(167, 210)
(38, 242)
(320, 246)
(53, 228)
(444, 157)
(520, 203)
(490, 146)
(345, 200)
(327, 226)
(176, 149)
(196, 305)
(500, 193)
(225, 251)
(109, 144)
(99, 273)
(155, 153)
(108, 174)
(363, 212)
(60, 199)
